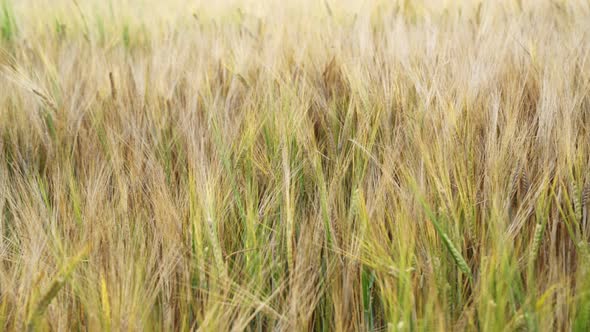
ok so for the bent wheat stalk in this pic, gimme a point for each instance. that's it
(58, 282)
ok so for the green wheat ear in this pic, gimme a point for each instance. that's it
(457, 257)
(126, 37)
(542, 211)
(578, 201)
(58, 282)
(455, 253)
(7, 23)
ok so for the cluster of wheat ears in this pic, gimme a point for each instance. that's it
(294, 165)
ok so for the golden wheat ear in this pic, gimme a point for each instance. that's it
(106, 306)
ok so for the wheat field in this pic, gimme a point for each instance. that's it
(293, 165)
